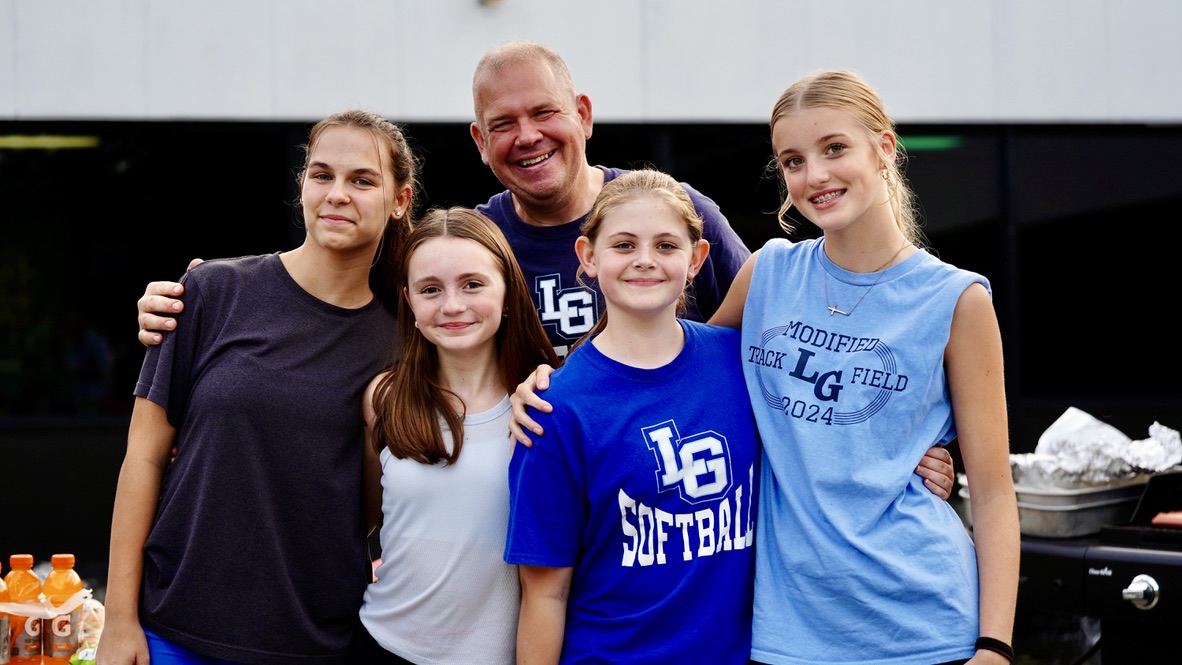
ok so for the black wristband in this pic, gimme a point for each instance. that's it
(996, 646)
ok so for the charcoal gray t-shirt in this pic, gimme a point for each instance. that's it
(258, 552)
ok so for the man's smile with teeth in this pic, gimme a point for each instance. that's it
(536, 160)
(827, 197)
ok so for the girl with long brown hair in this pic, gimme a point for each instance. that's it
(437, 423)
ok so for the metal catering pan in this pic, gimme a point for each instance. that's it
(1082, 519)
(1082, 496)
(1069, 513)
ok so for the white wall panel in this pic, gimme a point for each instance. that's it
(210, 59)
(80, 59)
(344, 54)
(1144, 65)
(702, 66)
(8, 100)
(639, 60)
(935, 61)
(1051, 60)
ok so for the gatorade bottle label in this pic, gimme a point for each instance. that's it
(26, 637)
(61, 635)
(5, 644)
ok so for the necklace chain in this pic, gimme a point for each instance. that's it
(825, 273)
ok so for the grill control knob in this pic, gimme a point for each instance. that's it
(1143, 592)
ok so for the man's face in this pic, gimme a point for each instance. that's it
(532, 132)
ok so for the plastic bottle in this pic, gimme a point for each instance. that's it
(24, 587)
(59, 635)
(5, 637)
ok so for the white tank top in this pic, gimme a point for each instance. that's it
(444, 595)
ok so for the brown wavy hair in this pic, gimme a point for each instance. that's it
(410, 399)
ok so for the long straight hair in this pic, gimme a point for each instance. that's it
(410, 399)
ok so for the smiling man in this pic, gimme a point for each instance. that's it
(531, 129)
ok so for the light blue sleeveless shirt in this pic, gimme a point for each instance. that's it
(857, 562)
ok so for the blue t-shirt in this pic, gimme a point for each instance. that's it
(257, 553)
(857, 561)
(644, 482)
(569, 309)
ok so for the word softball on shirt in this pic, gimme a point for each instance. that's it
(717, 515)
(807, 373)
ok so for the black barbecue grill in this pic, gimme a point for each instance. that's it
(1128, 578)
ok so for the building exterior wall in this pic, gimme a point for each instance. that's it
(984, 61)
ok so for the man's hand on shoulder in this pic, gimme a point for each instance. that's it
(158, 307)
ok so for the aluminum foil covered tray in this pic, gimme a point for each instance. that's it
(1078, 451)
(1084, 475)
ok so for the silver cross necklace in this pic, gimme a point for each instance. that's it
(833, 308)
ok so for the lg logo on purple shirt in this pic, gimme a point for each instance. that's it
(571, 310)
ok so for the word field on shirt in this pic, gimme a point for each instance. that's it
(812, 359)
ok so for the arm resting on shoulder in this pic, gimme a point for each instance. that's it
(524, 397)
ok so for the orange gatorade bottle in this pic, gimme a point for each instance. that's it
(5, 637)
(24, 587)
(59, 635)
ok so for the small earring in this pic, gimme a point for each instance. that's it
(416, 325)
(886, 175)
(397, 214)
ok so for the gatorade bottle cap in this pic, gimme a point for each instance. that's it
(20, 561)
(63, 560)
